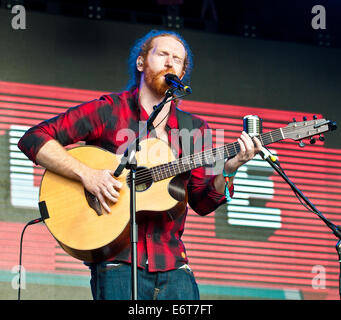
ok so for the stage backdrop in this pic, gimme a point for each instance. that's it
(263, 244)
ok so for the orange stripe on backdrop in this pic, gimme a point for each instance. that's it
(307, 292)
(280, 205)
(259, 278)
(314, 197)
(297, 231)
(204, 255)
(259, 247)
(25, 114)
(305, 182)
(212, 234)
(310, 168)
(307, 155)
(20, 121)
(301, 212)
(266, 275)
(37, 101)
(283, 188)
(237, 123)
(312, 162)
(290, 144)
(314, 242)
(29, 107)
(293, 174)
(241, 111)
(258, 265)
(308, 148)
(42, 91)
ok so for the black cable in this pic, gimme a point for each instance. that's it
(163, 118)
(20, 251)
(174, 98)
(295, 192)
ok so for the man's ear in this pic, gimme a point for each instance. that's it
(139, 63)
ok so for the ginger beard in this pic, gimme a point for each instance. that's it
(156, 80)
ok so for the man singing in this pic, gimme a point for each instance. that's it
(163, 270)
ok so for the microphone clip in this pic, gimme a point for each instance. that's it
(268, 156)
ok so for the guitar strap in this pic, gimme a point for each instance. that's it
(185, 120)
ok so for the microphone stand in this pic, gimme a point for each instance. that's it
(335, 229)
(128, 161)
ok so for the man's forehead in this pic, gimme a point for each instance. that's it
(169, 43)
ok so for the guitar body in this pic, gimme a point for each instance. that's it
(92, 236)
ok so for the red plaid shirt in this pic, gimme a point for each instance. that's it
(97, 123)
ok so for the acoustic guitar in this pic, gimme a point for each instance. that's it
(87, 232)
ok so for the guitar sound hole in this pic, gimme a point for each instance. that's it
(143, 179)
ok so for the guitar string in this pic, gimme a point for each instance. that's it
(182, 161)
(275, 134)
(196, 159)
(144, 175)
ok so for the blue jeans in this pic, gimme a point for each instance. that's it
(112, 281)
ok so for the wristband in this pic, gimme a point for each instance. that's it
(227, 177)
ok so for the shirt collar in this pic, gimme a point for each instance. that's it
(172, 122)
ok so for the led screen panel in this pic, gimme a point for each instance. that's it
(263, 244)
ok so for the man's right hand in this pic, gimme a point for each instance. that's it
(103, 185)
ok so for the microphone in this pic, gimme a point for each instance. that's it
(252, 125)
(173, 81)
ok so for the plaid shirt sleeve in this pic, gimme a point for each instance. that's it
(202, 195)
(83, 122)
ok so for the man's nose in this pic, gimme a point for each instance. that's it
(169, 61)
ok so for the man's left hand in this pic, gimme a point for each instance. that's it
(249, 147)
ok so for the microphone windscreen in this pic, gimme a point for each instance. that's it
(252, 125)
(170, 78)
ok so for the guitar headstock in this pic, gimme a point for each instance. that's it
(308, 128)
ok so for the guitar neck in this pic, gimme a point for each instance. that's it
(208, 157)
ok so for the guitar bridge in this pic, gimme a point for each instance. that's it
(93, 202)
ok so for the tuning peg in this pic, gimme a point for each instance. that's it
(301, 144)
(321, 137)
(304, 118)
(312, 140)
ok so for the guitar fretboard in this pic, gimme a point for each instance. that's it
(208, 157)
